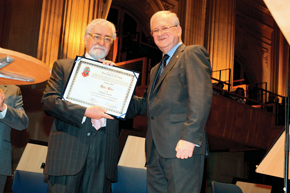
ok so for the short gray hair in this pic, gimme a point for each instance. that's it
(168, 14)
(101, 21)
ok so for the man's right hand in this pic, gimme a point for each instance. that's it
(96, 112)
(2, 99)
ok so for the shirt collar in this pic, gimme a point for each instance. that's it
(172, 51)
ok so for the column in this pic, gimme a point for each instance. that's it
(192, 21)
(220, 37)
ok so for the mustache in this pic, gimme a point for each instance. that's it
(98, 46)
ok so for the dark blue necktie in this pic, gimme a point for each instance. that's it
(162, 67)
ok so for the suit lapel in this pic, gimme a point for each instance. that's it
(169, 66)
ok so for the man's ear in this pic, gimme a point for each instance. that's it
(179, 30)
(85, 39)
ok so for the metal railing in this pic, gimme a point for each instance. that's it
(219, 73)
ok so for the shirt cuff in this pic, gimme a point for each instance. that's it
(84, 119)
(3, 113)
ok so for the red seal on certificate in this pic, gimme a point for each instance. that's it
(86, 72)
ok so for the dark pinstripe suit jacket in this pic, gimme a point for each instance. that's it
(67, 147)
(15, 118)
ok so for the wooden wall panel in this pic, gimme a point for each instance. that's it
(234, 121)
(23, 26)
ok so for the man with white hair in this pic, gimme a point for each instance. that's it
(177, 103)
(81, 157)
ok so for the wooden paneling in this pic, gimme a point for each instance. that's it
(239, 122)
(24, 26)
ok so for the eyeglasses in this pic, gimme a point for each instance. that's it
(163, 29)
(98, 38)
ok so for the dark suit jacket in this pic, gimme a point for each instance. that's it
(67, 146)
(15, 118)
(179, 105)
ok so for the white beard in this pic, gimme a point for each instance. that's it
(98, 53)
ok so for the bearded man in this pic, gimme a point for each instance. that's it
(81, 157)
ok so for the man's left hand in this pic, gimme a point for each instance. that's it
(184, 149)
(107, 62)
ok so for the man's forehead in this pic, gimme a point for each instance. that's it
(161, 21)
(102, 29)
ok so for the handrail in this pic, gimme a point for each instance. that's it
(262, 105)
(234, 94)
(219, 77)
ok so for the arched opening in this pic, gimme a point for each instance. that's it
(134, 39)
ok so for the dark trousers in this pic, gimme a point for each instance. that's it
(92, 177)
(174, 175)
(2, 183)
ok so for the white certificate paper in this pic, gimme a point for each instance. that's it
(92, 83)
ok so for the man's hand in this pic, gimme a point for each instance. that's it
(184, 149)
(96, 112)
(2, 99)
(107, 62)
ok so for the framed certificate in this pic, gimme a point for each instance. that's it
(92, 83)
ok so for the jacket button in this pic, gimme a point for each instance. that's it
(88, 134)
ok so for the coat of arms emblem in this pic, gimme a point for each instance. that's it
(86, 72)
